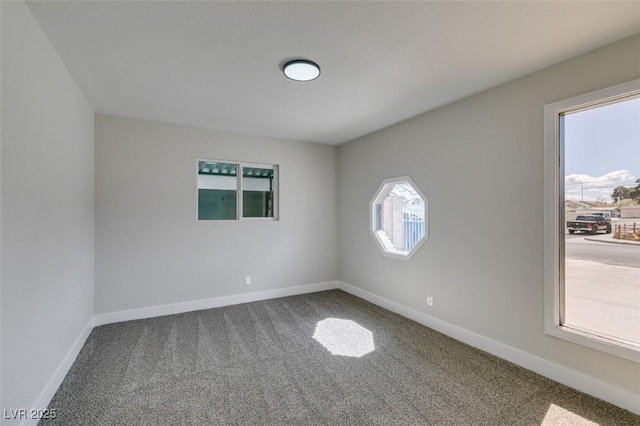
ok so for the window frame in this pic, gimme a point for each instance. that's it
(239, 188)
(554, 220)
(387, 251)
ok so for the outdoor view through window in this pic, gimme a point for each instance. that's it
(399, 217)
(600, 293)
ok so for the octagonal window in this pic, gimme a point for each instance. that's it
(399, 217)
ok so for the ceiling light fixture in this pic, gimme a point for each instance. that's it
(301, 70)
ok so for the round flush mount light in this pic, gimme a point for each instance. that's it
(301, 70)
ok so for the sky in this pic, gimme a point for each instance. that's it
(602, 150)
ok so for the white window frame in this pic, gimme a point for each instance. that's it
(390, 251)
(554, 221)
(241, 164)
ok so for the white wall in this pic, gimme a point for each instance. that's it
(47, 193)
(151, 250)
(480, 162)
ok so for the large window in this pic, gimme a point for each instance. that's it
(592, 212)
(220, 182)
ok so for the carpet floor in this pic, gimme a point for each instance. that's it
(325, 358)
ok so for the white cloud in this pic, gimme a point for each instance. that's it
(609, 179)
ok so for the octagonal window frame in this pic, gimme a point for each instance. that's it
(382, 192)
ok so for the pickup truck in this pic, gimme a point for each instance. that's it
(591, 224)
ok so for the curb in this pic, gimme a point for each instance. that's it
(613, 241)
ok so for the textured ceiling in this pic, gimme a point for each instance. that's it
(217, 64)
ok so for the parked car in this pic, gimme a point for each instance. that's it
(605, 215)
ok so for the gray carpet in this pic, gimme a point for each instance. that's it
(258, 364)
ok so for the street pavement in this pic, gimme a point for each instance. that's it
(603, 296)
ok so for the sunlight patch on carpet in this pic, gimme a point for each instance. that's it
(557, 415)
(344, 337)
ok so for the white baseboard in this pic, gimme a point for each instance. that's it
(50, 389)
(559, 373)
(216, 302)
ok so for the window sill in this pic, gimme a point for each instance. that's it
(613, 347)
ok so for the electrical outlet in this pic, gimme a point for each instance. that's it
(430, 300)
(247, 280)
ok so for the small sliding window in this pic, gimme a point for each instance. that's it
(237, 191)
